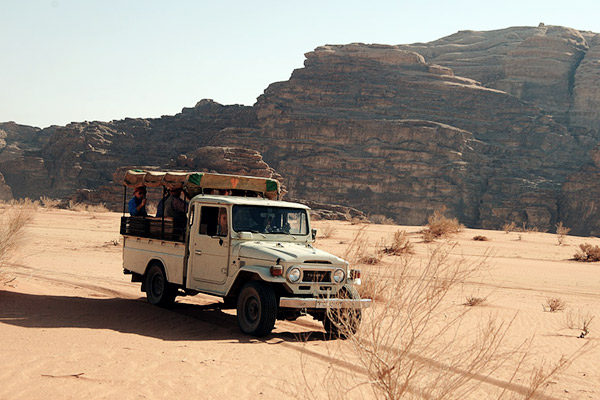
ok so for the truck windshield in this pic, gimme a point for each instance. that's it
(277, 220)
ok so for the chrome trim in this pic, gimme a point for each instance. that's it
(299, 302)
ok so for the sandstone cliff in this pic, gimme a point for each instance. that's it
(497, 126)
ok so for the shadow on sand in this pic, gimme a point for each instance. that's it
(183, 322)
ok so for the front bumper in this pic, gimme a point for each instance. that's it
(297, 302)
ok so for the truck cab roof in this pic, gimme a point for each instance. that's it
(249, 201)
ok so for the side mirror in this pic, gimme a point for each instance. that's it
(314, 234)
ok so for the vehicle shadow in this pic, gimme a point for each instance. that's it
(136, 316)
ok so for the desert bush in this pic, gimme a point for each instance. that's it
(381, 220)
(528, 229)
(12, 221)
(587, 253)
(411, 343)
(439, 225)
(74, 206)
(48, 202)
(581, 321)
(480, 238)
(554, 304)
(507, 228)
(561, 232)
(473, 301)
(358, 252)
(23, 203)
(400, 244)
(327, 231)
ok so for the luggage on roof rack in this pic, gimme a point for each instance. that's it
(202, 182)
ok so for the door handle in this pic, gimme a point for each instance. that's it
(199, 252)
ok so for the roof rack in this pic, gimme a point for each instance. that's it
(195, 183)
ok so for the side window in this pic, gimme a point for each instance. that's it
(213, 221)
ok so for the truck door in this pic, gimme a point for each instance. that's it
(209, 242)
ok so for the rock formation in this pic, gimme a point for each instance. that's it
(497, 126)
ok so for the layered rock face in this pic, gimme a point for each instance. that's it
(496, 126)
(554, 67)
(378, 128)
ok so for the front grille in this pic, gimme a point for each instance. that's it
(316, 276)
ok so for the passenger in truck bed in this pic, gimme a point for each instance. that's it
(137, 204)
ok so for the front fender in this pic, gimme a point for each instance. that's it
(263, 272)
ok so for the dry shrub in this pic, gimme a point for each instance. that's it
(74, 206)
(327, 231)
(473, 301)
(400, 244)
(581, 321)
(12, 221)
(561, 231)
(381, 220)
(507, 228)
(554, 304)
(358, 252)
(587, 253)
(439, 226)
(24, 203)
(480, 238)
(357, 221)
(48, 202)
(528, 229)
(412, 343)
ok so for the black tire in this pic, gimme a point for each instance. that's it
(341, 323)
(158, 290)
(256, 309)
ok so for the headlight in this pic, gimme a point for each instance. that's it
(293, 275)
(338, 275)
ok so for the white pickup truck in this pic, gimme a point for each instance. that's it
(254, 252)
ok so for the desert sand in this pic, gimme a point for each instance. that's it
(73, 326)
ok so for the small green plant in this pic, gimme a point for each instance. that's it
(587, 253)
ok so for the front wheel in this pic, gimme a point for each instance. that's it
(257, 309)
(158, 290)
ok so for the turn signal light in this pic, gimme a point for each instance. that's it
(276, 270)
(354, 274)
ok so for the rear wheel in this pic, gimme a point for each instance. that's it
(256, 308)
(343, 322)
(158, 290)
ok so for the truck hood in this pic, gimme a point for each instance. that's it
(287, 252)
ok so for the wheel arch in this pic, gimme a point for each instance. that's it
(158, 261)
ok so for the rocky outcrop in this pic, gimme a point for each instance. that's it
(206, 159)
(549, 66)
(495, 126)
(355, 127)
(5, 190)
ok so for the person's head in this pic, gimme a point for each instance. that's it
(223, 219)
(139, 191)
(175, 192)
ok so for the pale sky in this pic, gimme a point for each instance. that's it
(78, 60)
